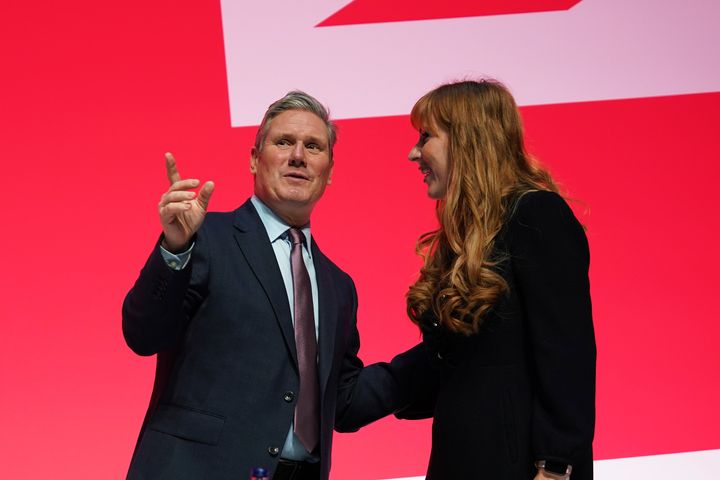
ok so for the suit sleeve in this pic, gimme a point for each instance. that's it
(368, 393)
(550, 264)
(159, 306)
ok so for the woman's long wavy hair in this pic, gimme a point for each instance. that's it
(488, 170)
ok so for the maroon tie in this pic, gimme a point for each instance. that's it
(307, 408)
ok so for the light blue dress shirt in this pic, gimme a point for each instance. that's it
(276, 229)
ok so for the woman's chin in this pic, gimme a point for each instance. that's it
(435, 192)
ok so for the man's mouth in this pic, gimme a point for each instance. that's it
(297, 176)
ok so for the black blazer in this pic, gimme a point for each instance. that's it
(227, 376)
(524, 387)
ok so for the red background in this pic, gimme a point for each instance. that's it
(92, 94)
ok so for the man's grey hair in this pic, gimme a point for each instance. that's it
(296, 100)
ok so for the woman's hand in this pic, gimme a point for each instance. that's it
(545, 475)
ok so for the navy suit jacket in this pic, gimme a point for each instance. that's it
(227, 375)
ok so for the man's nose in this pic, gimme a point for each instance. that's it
(297, 155)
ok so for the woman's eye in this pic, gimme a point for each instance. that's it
(423, 137)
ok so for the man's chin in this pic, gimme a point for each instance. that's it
(297, 199)
(292, 205)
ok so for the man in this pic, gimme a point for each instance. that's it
(254, 327)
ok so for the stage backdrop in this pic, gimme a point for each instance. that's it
(620, 101)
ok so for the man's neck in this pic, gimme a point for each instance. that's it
(292, 218)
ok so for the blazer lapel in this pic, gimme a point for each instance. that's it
(327, 313)
(253, 241)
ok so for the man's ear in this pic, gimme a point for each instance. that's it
(329, 180)
(253, 160)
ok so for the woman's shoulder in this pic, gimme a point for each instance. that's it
(542, 211)
(538, 202)
(539, 205)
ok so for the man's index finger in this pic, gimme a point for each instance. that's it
(172, 171)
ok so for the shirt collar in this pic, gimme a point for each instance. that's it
(276, 226)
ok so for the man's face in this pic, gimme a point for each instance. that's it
(293, 167)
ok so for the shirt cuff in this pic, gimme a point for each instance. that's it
(176, 261)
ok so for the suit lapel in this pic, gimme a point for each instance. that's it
(327, 312)
(257, 250)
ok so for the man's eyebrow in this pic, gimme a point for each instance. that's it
(314, 139)
(288, 134)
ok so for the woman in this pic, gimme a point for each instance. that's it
(503, 295)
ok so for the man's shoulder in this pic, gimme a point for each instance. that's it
(220, 217)
(215, 222)
(228, 218)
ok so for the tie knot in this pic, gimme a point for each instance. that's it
(296, 236)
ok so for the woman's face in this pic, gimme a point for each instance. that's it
(431, 155)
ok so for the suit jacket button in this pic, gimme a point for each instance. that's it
(289, 396)
(273, 451)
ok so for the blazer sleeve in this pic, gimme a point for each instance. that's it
(368, 393)
(550, 258)
(159, 306)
